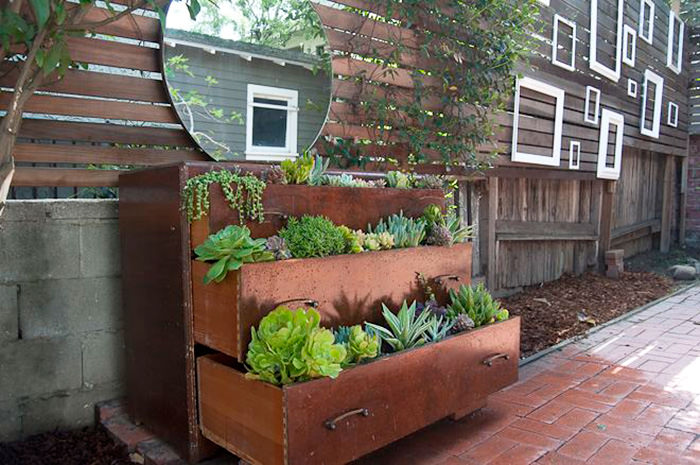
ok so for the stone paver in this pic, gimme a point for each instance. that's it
(627, 394)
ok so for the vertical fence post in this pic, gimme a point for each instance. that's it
(492, 245)
(607, 210)
(683, 201)
(667, 204)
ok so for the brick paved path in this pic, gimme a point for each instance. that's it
(628, 394)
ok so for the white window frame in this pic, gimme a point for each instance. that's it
(678, 65)
(650, 76)
(590, 90)
(558, 94)
(672, 115)
(632, 87)
(629, 34)
(644, 21)
(608, 118)
(544, 2)
(612, 74)
(574, 154)
(555, 43)
(259, 153)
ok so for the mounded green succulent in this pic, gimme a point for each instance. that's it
(313, 236)
(297, 171)
(230, 248)
(352, 240)
(318, 171)
(430, 181)
(398, 180)
(407, 232)
(477, 303)
(359, 345)
(290, 346)
(406, 329)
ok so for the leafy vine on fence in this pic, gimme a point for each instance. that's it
(461, 62)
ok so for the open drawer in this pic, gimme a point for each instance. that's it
(346, 289)
(334, 421)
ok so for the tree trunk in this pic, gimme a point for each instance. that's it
(9, 127)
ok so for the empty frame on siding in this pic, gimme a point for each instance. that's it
(650, 78)
(629, 46)
(646, 20)
(574, 155)
(674, 54)
(588, 117)
(606, 170)
(570, 46)
(546, 89)
(672, 115)
(611, 73)
(632, 87)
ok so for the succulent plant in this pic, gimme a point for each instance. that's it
(406, 329)
(431, 306)
(430, 181)
(313, 236)
(461, 323)
(459, 233)
(440, 327)
(345, 180)
(297, 171)
(477, 303)
(398, 180)
(353, 244)
(318, 171)
(290, 346)
(359, 345)
(439, 235)
(274, 175)
(230, 248)
(378, 183)
(278, 247)
(407, 232)
(433, 215)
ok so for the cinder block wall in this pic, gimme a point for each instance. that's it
(693, 192)
(61, 339)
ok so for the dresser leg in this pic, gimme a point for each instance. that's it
(463, 412)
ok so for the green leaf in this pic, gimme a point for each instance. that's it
(42, 10)
(194, 7)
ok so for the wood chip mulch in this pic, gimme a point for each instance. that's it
(83, 447)
(572, 305)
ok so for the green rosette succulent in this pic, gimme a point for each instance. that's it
(290, 346)
(352, 241)
(359, 344)
(229, 249)
(299, 170)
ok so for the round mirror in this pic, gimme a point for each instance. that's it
(249, 79)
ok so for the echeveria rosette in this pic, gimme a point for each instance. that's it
(360, 346)
(230, 248)
(290, 346)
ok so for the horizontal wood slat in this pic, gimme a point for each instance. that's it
(68, 177)
(61, 153)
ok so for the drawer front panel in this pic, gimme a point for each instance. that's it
(383, 401)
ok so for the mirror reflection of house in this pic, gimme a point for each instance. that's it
(247, 101)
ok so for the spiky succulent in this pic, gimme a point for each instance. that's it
(278, 247)
(477, 303)
(407, 232)
(318, 170)
(406, 329)
(440, 328)
(459, 233)
(439, 235)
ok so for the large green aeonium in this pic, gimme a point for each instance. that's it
(290, 346)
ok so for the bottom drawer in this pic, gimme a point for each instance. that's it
(334, 421)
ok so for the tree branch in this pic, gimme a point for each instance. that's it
(95, 24)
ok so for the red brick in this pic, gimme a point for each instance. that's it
(554, 458)
(660, 397)
(673, 440)
(583, 445)
(551, 411)
(629, 409)
(663, 457)
(126, 433)
(657, 415)
(519, 455)
(577, 418)
(527, 437)
(686, 420)
(619, 389)
(489, 449)
(614, 452)
(625, 430)
(587, 400)
(547, 429)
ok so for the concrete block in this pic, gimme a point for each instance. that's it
(104, 358)
(38, 250)
(66, 410)
(39, 366)
(69, 306)
(8, 313)
(10, 421)
(100, 249)
(63, 209)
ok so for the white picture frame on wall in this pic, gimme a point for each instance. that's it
(646, 20)
(632, 87)
(571, 66)
(610, 118)
(559, 95)
(658, 81)
(574, 155)
(611, 73)
(672, 119)
(675, 62)
(629, 45)
(591, 93)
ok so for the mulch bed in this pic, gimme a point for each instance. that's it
(83, 447)
(553, 311)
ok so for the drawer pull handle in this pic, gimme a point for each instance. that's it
(489, 361)
(282, 215)
(331, 424)
(304, 300)
(446, 277)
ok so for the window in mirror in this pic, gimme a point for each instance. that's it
(271, 129)
(674, 54)
(646, 20)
